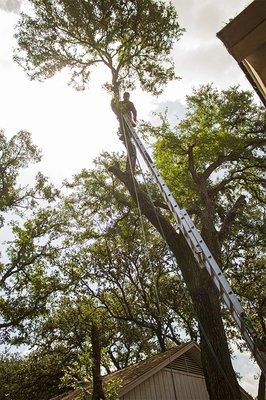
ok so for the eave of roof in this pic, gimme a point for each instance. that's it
(244, 36)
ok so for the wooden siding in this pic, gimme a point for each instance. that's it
(161, 387)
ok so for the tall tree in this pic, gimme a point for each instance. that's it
(134, 39)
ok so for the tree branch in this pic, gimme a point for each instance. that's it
(191, 165)
(233, 156)
(230, 217)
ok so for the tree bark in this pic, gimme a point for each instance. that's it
(220, 377)
(161, 339)
(261, 391)
(98, 392)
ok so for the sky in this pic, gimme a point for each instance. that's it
(73, 128)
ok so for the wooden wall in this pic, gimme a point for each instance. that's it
(161, 387)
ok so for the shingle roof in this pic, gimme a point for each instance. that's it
(133, 372)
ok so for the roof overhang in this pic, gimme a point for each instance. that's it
(245, 39)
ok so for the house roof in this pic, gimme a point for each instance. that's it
(245, 39)
(135, 374)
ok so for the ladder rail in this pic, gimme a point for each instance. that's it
(200, 251)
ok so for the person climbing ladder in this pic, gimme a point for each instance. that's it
(129, 109)
(126, 107)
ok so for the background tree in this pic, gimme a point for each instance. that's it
(33, 376)
(15, 154)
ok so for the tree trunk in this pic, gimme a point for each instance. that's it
(161, 339)
(220, 377)
(98, 393)
(261, 391)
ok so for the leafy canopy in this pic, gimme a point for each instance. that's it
(15, 154)
(217, 149)
(132, 38)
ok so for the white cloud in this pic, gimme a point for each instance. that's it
(175, 111)
(10, 5)
(247, 369)
(200, 56)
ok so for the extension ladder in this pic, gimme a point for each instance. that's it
(201, 252)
